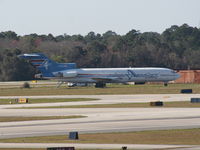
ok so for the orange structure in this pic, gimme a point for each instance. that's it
(189, 76)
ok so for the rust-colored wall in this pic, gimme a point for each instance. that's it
(197, 76)
(189, 76)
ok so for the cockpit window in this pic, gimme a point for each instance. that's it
(173, 71)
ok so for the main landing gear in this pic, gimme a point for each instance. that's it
(100, 85)
(165, 84)
(59, 84)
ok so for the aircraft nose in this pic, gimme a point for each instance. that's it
(177, 75)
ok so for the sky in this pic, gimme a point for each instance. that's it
(71, 17)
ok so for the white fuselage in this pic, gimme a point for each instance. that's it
(118, 75)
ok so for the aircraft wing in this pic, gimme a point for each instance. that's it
(106, 79)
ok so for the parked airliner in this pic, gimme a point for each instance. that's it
(67, 72)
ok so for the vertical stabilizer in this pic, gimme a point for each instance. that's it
(45, 65)
(41, 62)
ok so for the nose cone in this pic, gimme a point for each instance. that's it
(177, 76)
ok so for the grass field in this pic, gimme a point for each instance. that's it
(179, 137)
(21, 118)
(179, 104)
(46, 100)
(110, 89)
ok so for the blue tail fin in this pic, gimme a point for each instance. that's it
(45, 65)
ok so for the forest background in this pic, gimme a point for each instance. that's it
(178, 48)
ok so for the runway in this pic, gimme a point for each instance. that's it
(100, 120)
(98, 146)
(107, 120)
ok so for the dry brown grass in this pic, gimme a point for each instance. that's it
(180, 137)
(46, 100)
(21, 118)
(110, 89)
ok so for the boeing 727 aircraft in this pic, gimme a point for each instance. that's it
(67, 72)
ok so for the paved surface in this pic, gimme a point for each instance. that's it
(98, 146)
(101, 119)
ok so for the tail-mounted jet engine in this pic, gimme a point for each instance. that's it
(68, 74)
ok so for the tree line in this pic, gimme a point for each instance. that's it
(178, 47)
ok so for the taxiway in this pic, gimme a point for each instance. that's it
(100, 119)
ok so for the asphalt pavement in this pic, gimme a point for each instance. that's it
(100, 120)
